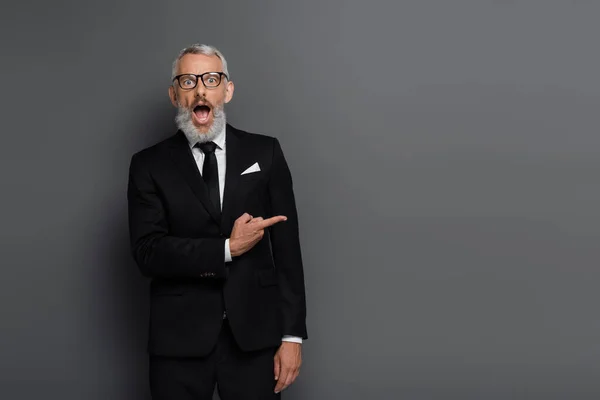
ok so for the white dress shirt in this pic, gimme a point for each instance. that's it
(221, 165)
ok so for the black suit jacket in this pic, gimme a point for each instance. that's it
(178, 240)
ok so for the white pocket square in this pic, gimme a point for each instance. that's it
(253, 168)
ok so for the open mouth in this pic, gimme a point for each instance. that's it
(202, 113)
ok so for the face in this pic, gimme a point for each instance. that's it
(201, 103)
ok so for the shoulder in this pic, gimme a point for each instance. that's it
(253, 137)
(157, 149)
(153, 154)
(256, 141)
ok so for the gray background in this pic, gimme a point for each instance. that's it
(445, 158)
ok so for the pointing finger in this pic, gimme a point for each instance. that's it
(271, 221)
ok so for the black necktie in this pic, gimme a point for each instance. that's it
(210, 173)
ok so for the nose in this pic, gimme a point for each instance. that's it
(200, 89)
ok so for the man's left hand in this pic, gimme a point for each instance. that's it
(287, 364)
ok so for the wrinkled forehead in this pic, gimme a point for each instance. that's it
(199, 64)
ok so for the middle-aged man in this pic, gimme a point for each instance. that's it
(213, 222)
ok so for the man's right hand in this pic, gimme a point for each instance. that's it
(247, 231)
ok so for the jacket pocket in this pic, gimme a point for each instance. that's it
(167, 290)
(267, 277)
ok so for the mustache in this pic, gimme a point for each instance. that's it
(202, 102)
(199, 103)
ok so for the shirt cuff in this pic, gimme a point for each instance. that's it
(227, 251)
(289, 338)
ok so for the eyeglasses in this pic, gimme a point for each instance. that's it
(209, 79)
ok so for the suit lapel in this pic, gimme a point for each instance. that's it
(184, 159)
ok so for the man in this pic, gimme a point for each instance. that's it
(213, 222)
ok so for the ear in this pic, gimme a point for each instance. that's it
(229, 91)
(173, 95)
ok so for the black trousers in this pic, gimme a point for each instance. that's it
(238, 375)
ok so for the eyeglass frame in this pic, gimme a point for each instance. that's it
(200, 77)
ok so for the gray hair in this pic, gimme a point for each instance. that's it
(198, 48)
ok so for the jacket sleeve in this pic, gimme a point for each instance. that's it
(285, 245)
(156, 252)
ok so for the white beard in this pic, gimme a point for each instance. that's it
(184, 121)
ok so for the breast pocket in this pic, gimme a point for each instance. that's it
(251, 177)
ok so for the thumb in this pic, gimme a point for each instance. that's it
(277, 367)
(244, 218)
